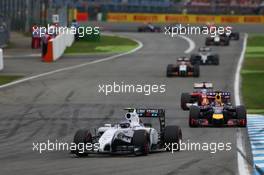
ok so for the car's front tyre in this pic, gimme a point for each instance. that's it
(196, 70)
(185, 98)
(242, 115)
(172, 135)
(169, 70)
(81, 138)
(141, 142)
(194, 116)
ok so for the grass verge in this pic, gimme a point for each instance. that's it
(4, 79)
(253, 75)
(106, 45)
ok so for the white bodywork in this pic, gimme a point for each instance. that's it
(204, 53)
(183, 68)
(191, 104)
(109, 133)
(217, 39)
(204, 56)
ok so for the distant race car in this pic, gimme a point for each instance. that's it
(205, 57)
(198, 97)
(149, 28)
(218, 113)
(183, 68)
(219, 40)
(131, 135)
(234, 36)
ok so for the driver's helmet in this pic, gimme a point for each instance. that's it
(186, 59)
(180, 59)
(218, 100)
(205, 49)
(204, 91)
(124, 124)
(205, 102)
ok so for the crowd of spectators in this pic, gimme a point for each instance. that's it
(241, 3)
(178, 6)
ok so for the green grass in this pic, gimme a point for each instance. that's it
(255, 111)
(255, 40)
(253, 92)
(4, 79)
(107, 44)
(253, 75)
(254, 63)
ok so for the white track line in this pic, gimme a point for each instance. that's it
(140, 45)
(19, 56)
(237, 77)
(241, 162)
(191, 43)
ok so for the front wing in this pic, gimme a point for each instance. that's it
(229, 123)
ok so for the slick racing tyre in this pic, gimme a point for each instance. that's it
(185, 98)
(242, 115)
(169, 70)
(196, 70)
(141, 142)
(236, 36)
(81, 138)
(216, 60)
(195, 59)
(172, 135)
(207, 42)
(194, 116)
(226, 42)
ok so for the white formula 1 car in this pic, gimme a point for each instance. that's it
(205, 57)
(131, 135)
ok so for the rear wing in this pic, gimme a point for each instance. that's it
(205, 49)
(183, 59)
(153, 113)
(224, 95)
(203, 85)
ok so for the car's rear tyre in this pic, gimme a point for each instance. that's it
(141, 142)
(207, 42)
(194, 116)
(157, 30)
(216, 60)
(242, 115)
(196, 70)
(185, 98)
(236, 36)
(194, 59)
(81, 138)
(172, 135)
(169, 70)
(226, 42)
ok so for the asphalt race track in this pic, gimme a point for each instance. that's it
(55, 106)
